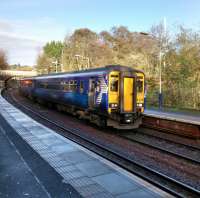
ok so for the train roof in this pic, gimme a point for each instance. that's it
(99, 70)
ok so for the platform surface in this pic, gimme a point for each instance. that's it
(175, 116)
(82, 172)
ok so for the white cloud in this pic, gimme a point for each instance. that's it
(5, 27)
(20, 50)
(24, 39)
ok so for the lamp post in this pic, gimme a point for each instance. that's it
(160, 55)
(160, 80)
(62, 60)
(56, 64)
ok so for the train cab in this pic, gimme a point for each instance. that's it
(125, 96)
(26, 87)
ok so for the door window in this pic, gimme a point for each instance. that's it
(114, 85)
(92, 86)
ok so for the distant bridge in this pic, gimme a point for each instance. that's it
(4, 74)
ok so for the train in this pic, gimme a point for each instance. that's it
(112, 95)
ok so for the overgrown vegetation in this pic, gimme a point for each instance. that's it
(178, 57)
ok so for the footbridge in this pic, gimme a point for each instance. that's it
(6, 75)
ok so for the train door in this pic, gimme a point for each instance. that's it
(128, 94)
(91, 93)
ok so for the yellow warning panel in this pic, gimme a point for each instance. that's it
(128, 94)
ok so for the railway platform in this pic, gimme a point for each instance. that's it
(174, 116)
(37, 162)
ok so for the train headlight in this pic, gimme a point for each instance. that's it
(113, 105)
(139, 105)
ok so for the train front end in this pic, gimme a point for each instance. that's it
(125, 98)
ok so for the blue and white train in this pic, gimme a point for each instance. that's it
(109, 96)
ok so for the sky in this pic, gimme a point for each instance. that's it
(26, 25)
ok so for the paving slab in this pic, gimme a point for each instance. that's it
(76, 156)
(50, 141)
(63, 148)
(94, 168)
(81, 182)
(116, 184)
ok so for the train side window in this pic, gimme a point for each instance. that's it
(42, 85)
(65, 86)
(75, 85)
(54, 86)
(68, 85)
(71, 85)
(39, 85)
(114, 85)
(45, 85)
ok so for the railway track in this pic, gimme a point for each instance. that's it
(178, 150)
(164, 182)
(185, 141)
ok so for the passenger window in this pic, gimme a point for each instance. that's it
(45, 85)
(71, 85)
(66, 86)
(114, 85)
(75, 86)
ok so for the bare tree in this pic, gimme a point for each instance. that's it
(44, 64)
(3, 60)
